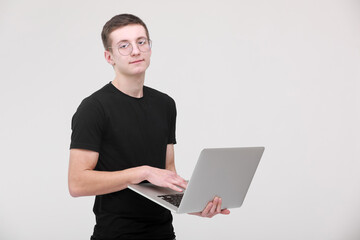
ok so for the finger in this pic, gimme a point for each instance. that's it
(205, 212)
(175, 188)
(225, 211)
(174, 182)
(213, 208)
(218, 209)
(184, 184)
(180, 182)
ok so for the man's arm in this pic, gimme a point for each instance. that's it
(170, 158)
(83, 180)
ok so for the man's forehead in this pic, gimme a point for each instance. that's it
(128, 33)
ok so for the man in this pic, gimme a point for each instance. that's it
(125, 134)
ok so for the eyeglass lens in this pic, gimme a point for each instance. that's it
(125, 48)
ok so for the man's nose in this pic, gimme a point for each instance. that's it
(135, 50)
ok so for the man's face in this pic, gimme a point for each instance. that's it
(137, 61)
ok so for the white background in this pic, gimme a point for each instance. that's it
(280, 74)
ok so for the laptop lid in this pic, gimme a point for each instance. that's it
(222, 172)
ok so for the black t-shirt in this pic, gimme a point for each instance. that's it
(127, 132)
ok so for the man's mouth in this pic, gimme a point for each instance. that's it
(137, 61)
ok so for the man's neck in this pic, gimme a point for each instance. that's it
(130, 85)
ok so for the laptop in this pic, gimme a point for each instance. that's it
(222, 172)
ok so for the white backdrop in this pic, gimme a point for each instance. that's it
(280, 74)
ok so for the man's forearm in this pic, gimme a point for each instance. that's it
(171, 167)
(92, 182)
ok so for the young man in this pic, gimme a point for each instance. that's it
(125, 134)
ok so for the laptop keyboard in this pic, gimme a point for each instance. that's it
(174, 199)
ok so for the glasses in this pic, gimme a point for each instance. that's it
(125, 48)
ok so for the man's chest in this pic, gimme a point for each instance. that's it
(138, 123)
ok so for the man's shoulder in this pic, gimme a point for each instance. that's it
(97, 98)
(158, 94)
(102, 92)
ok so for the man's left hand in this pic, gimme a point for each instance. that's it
(212, 208)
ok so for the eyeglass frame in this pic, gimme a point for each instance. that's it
(149, 42)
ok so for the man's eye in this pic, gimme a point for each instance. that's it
(123, 45)
(142, 41)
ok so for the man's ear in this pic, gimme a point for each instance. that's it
(109, 58)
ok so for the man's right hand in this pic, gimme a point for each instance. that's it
(165, 178)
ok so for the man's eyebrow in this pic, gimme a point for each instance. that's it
(125, 40)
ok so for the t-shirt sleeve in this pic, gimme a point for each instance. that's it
(87, 126)
(172, 127)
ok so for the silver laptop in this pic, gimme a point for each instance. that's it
(222, 172)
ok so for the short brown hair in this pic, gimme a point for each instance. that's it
(119, 21)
